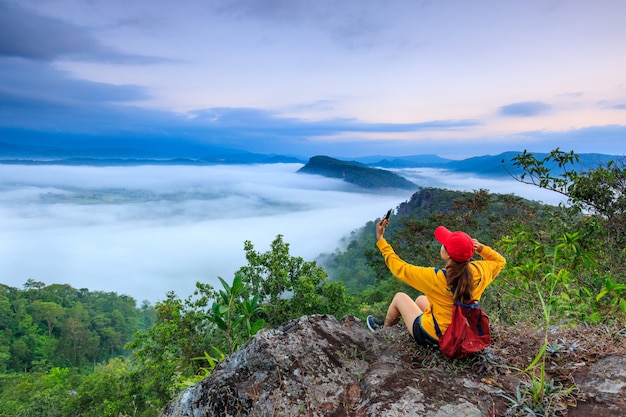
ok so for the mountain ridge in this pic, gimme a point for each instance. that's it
(34, 148)
(356, 173)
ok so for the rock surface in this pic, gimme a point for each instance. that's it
(320, 366)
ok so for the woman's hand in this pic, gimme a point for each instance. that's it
(380, 228)
(478, 247)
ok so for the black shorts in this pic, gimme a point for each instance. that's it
(420, 335)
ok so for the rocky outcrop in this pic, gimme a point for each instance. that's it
(320, 366)
(356, 173)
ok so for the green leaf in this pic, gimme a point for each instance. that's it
(258, 325)
(537, 358)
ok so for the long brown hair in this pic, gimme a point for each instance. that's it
(459, 277)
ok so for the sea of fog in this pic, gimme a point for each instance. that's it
(146, 230)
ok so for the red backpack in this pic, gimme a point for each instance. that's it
(467, 334)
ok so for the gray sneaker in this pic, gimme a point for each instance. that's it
(374, 324)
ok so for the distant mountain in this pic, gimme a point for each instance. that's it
(409, 161)
(356, 173)
(104, 162)
(502, 164)
(20, 146)
(487, 165)
(63, 148)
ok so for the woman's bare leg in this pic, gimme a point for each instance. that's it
(402, 306)
(422, 302)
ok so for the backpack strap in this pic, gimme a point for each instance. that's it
(437, 328)
(432, 312)
(475, 304)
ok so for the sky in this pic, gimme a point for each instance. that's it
(176, 228)
(342, 78)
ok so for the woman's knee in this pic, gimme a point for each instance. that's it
(405, 305)
(422, 302)
(401, 297)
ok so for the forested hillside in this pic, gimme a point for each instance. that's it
(356, 173)
(64, 351)
(46, 326)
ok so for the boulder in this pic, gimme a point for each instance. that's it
(321, 366)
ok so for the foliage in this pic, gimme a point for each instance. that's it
(588, 235)
(540, 395)
(204, 371)
(532, 255)
(616, 292)
(599, 191)
(234, 313)
(288, 287)
(45, 326)
(164, 353)
(571, 286)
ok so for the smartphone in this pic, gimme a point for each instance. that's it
(387, 215)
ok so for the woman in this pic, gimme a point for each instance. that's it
(461, 280)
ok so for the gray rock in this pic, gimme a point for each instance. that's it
(320, 366)
(604, 388)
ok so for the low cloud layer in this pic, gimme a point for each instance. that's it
(144, 231)
(147, 230)
(440, 178)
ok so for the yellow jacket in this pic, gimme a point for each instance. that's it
(432, 282)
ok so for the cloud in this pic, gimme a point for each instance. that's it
(28, 35)
(440, 178)
(81, 107)
(234, 72)
(38, 84)
(86, 114)
(350, 24)
(525, 109)
(258, 119)
(144, 231)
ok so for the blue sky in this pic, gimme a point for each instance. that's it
(342, 78)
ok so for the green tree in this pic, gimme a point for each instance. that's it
(164, 354)
(597, 213)
(77, 346)
(147, 315)
(288, 286)
(599, 191)
(234, 312)
(48, 312)
(108, 391)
